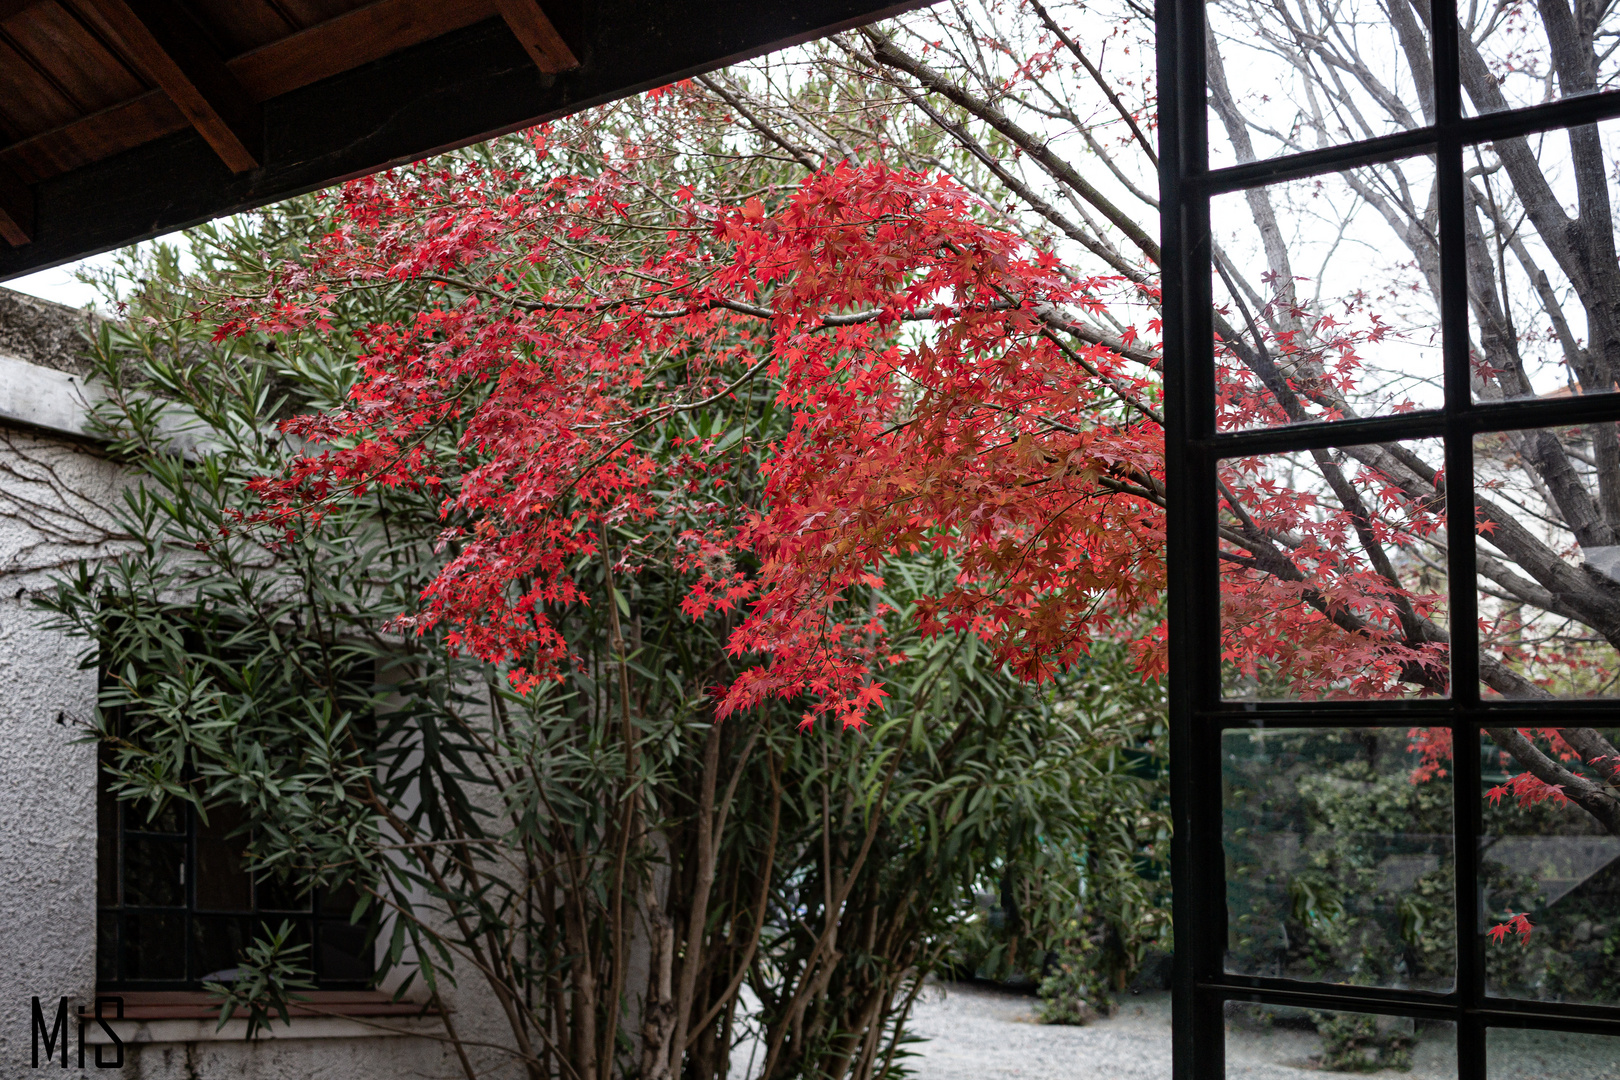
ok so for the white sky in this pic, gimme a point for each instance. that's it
(59, 283)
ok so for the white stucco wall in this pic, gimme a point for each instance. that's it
(51, 494)
(54, 491)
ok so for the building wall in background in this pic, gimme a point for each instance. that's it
(55, 487)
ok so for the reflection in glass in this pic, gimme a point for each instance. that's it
(223, 882)
(154, 946)
(1338, 858)
(107, 812)
(1549, 561)
(217, 942)
(168, 820)
(278, 892)
(1293, 75)
(154, 869)
(1333, 574)
(1326, 297)
(1515, 1054)
(1550, 863)
(106, 946)
(1542, 274)
(1264, 1040)
(345, 953)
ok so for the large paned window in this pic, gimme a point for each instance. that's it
(177, 904)
(1392, 339)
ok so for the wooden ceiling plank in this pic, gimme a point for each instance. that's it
(175, 53)
(529, 22)
(8, 8)
(330, 48)
(29, 100)
(349, 40)
(16, 209)
(99, 135)
(243, 25)
(83, 66)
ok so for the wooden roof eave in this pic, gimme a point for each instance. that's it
(386, 83)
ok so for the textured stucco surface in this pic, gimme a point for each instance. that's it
(43, 333)
(52, 500)
(54, 496)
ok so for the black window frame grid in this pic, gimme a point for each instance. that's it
(314, 915)
(1198, 714)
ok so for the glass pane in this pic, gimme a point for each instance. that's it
(1333, 578)
(1326, 297)
(1542, 273)
(1296, 75)
(1513, 1054)
(154, 945)
(223, 883)
(1264, 1042)
(217, 942)
(1549, 561)
(276, 892)
(345, 953)
(1338, 858)
(339, 901)
(1508, 61)
(106, 841)
(169, 820)
(153, 869)
(1550, 863)
(106, 946)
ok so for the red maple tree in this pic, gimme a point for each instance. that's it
(940, 403)
(948, 398)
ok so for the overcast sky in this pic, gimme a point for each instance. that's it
(59, 284)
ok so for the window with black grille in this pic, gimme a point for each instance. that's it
(177, 904)
(1392, 366)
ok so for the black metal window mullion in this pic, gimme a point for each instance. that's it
(188, 887)
(1197, 1033)
(1460, 578)
(1198, 714)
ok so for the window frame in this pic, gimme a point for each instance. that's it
(314, 915)
(1193, 447)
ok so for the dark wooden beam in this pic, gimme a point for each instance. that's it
(354, 38)
(164, 41)
(460, 88)
(538, 37)
(16, 209)
(319, 52)
(8, 8)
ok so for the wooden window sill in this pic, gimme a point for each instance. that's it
(200, 1005)
(181, 1016)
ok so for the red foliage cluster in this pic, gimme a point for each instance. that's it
(1518, 924)
(945, 399)
(933, 409)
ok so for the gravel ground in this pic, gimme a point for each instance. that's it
(981, 1033)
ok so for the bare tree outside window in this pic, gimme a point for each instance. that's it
(1327, 292)
(1327, 309)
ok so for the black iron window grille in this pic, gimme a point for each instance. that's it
(177, 904)
(1369, 707)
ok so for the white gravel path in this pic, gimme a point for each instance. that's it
(974, 1032)
(981, 1033)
